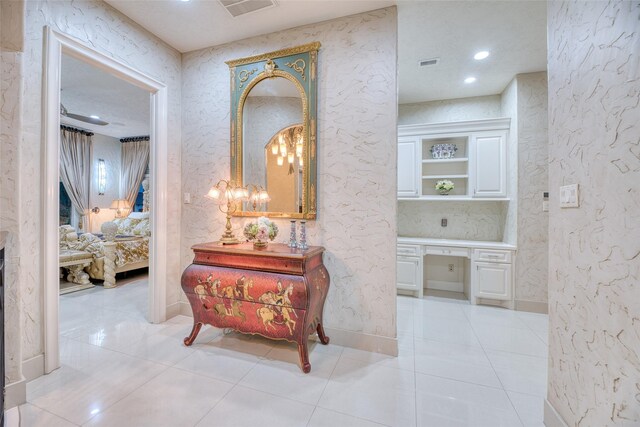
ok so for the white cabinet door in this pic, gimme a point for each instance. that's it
(409, 274)
(409, 174)
(492, 280)
(489, 152)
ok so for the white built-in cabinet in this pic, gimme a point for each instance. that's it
(478, 170)
(408, 175)
(409, 274)
(492, 280)
(490, 263)
(492, 274)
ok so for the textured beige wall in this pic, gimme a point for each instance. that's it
(509, 108)
(594, 259)
(11, 80)
(109, 32)
(357, 106)
(465, 220)
(533, 176)
(450, 110)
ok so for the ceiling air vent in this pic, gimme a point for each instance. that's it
(428, 62)
(242, 7)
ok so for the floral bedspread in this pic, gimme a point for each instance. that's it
(131, 251)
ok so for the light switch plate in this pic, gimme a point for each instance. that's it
(569, 196)
(187, 198)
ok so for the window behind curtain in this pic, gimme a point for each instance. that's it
(138, 205)
(65, 206)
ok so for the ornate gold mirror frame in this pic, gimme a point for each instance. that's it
(299, 66)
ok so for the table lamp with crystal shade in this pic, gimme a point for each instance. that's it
(120, 205)
(228, 196)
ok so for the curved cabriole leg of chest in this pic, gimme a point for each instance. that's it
(194, 333)
(323, 338)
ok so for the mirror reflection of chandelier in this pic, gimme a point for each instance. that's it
(287, 144)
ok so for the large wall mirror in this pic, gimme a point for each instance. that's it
(273, 132)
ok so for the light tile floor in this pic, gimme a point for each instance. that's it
(459, 365)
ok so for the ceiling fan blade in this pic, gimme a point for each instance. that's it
(86, 119)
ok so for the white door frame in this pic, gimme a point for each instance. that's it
(56, 43)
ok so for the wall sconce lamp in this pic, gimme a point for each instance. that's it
(102, 177)
(227, 195)
(119, 205)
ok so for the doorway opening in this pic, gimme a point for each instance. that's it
(60, 48)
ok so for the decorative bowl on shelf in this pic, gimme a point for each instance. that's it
(444, 187)
(443, 151)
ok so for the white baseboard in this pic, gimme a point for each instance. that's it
(532, 306)
(357, 340)
(551, 417)
(179, 308)
(442, 285)
(15, 394)
(495, 303)
(33, 368)
(361, 341)
(185, 309)
(173, 310)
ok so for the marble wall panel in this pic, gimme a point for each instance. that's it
(109, 32)
(357, 110)
(466, 220)
(594, 258)
(450, 110)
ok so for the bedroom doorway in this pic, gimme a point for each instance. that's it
(141, 125)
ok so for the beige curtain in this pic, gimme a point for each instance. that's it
(75, 166)
(135, 159)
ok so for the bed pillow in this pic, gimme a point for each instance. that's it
(126, 225)
(143, 228)
(139, 215)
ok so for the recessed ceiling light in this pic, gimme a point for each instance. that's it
(481, 55)
(470, 80)
(93, 116)
(184, 0)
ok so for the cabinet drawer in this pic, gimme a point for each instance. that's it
(447, 251)
(493, 255)
(411, 250)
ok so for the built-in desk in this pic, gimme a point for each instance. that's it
(489, 276)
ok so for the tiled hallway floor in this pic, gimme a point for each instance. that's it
(459, 365)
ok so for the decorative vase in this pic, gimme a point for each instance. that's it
(292, 236)
(259, 244)
(109, 230)
(444, 192)
(302, 244)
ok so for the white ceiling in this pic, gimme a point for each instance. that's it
(195, 24)
(86, 90)
(514, 32)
